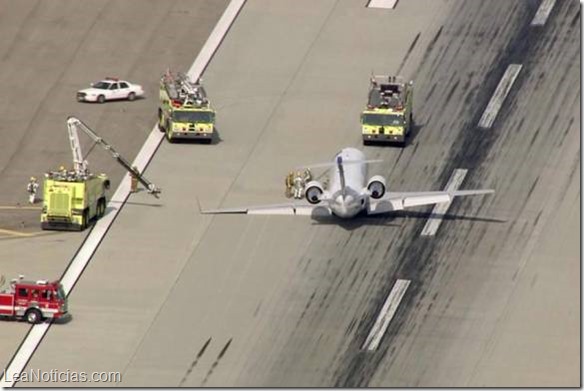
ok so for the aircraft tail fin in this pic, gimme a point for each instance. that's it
(341, 175)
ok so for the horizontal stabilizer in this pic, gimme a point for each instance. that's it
(344, 162)
(276, 210)
(399, 201)
(425, 200)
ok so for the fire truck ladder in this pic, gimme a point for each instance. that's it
(80, 165)
(191, 93)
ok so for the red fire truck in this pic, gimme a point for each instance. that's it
(32, 300)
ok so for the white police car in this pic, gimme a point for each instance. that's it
(110, 89)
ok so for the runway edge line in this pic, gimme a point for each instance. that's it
(37, 332)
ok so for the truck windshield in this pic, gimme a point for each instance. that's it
(383, 119)
(60, 293)
(193, 116)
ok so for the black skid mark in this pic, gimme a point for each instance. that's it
(195, 361)
(214, 365)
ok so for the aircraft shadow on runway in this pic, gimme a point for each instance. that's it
(447, 216)
(389, 220)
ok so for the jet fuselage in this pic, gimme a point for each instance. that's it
(348, 200)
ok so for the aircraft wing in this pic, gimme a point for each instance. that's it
(399, 201)
(276, 209)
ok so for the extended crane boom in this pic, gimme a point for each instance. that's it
(80, 164)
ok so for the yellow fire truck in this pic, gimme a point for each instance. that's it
(72, 198)
(185, 111)
(388, 116)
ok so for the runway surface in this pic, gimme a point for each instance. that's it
(174, 298)
(48, 52)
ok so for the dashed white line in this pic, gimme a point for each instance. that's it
(544, 10)
(387, 312)
(388, 4)
(440, 210)
(499, 96)
(83, 256)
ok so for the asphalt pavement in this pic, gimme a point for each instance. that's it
(48, 51)
(176, 298)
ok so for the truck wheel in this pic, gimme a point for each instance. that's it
(100, 208)
(160, 127)
(33, 316)
(131, 96)
(101, 99)
(84, 220)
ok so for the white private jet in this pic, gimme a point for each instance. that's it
(348, 194)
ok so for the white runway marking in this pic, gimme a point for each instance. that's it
(388, 4)
(387, 312)
(75, 268)
(544, 10)
(453, 184)
(499, 96)
(215, 38)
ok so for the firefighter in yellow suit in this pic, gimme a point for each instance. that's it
(289, 183)
(134, 181)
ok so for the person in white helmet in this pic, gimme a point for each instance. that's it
(307, 176)
(32, 188)
(298, 185)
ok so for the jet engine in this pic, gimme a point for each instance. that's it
(376, 186)
(313, 192)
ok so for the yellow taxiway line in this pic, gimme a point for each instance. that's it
(16, 233)
(20, 207)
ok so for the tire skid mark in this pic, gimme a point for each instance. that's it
(195, 361)
(216, 362)
(414, 255)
